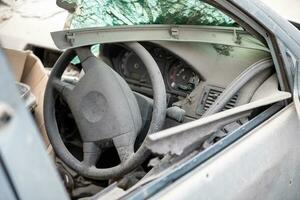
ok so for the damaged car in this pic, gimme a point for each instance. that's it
(154, 99)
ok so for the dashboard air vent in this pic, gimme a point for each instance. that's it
(209, 96)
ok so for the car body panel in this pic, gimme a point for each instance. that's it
(264, 164)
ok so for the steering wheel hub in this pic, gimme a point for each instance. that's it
(93, 106)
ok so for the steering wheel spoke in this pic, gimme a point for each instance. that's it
(84, 53)
(91, 153)
(65, 89)
(124, 146)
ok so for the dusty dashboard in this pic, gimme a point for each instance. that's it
(179, 77)
(195, 74)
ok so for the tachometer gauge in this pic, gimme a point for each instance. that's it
(182, 78)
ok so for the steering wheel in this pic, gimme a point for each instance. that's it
(105, 109)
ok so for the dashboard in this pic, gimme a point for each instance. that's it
(195, 74)
(179, 77)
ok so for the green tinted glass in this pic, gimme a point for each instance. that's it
(95, 13)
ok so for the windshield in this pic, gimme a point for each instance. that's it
(95, 13)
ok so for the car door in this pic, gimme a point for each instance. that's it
(26, 171)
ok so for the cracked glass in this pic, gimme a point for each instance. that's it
(99, 13)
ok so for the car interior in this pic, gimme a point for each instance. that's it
(97, 105)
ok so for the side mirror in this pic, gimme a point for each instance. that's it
(69, 5)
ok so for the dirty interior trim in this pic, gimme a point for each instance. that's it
(179, 33)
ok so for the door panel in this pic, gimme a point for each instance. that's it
(264, 164)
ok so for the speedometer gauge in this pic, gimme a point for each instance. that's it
(133, 68)
(182, 78)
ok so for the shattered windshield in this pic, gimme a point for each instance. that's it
(95, 13)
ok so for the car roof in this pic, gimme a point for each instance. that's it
(287, 8)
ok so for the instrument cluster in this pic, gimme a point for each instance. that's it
(180, 78)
